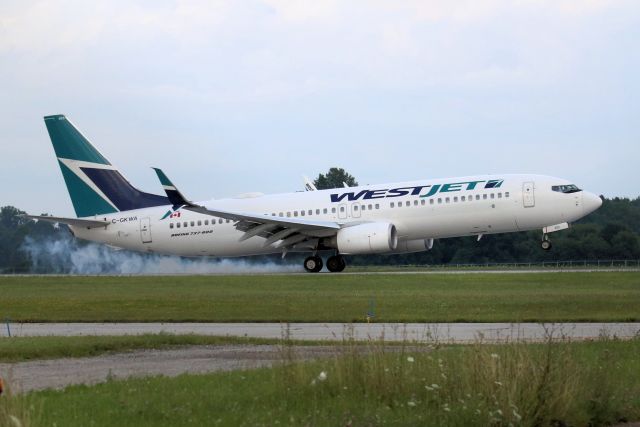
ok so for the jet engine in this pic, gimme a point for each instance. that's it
(369, 238)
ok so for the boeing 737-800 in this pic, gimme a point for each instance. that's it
(391, 218)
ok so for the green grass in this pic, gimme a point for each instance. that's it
(602, 296)
(592, 383)
(17, 349)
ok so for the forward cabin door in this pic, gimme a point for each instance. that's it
(528, 198)
(145, 230)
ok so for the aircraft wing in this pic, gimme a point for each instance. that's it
(76, 222)
(291, 233)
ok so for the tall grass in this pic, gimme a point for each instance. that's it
(16, 410)
(552, 383)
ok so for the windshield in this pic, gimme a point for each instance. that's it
(569, 188)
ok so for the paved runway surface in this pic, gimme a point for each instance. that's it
(422, 332)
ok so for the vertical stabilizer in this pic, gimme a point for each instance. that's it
(95, 186)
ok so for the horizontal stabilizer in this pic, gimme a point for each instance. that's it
(175, 196)
(76, 222)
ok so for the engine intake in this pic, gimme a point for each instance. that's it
(370, 238)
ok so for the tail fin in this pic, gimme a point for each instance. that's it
(95, 186)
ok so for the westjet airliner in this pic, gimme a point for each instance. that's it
(392, 218)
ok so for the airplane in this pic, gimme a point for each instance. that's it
(393, 218)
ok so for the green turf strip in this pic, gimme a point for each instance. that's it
(17, 349)
(491, 297)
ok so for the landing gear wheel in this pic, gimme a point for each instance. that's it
(336, 263)
(313, 264)
(546, 244)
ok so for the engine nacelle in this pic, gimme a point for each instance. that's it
(410, 246)
(370, 238)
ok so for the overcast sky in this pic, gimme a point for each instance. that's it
(237, 96)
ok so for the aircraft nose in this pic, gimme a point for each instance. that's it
(590, 202)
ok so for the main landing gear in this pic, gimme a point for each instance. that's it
(546, 243)
(313, 264)
(335, 264)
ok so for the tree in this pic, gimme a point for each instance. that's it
(334, 179)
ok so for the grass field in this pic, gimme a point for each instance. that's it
(605, 296)
(491, 297)
(593, 383)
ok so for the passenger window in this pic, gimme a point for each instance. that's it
(463, 199)
(377, 206)
(295, 213)
(493, 196)
(199, 222)
(422, 202)
(430, 201)
(206, 222)
(407, 203)
(170, 225)
(341, 208)
(228, 221)
(477, 197)
(280, 214)
(499, 195)
(288, 214)
(273, 214)
(317, 211)
(506, 194)
(392, 205)
(447, 200)
(333, 210)
(220, 221)
(177, 225)
(186, 224)
(355, 207)
(301, 213)
(484, 196)
(439, 200)
(310, 212)
(324, 210)
(455, 199)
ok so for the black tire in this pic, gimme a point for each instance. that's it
(313, 264)
(336, 264)
(546, 245)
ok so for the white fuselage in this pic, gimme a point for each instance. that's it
(426, 209)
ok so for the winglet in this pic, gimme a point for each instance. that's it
(175, 197)
(308, 184)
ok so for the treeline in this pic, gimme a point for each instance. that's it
(612, 232)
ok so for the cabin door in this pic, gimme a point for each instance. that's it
(528, 198)
(145, 230)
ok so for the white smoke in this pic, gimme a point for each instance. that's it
(64, 254)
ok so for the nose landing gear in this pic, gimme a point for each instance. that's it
(546, 243)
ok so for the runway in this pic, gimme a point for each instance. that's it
(417, 332)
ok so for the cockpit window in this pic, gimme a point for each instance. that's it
(570, 188)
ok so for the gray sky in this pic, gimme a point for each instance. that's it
(237, 96)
